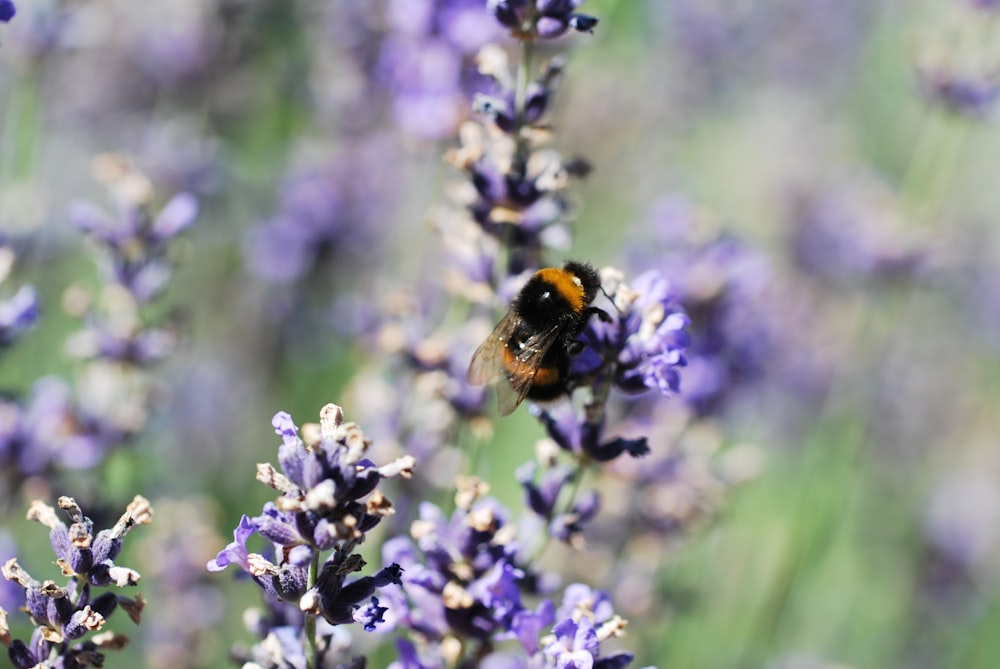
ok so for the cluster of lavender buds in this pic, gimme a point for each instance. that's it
(545, 19)
(61, 426)
(69, 620)
(329, 502)
(516, 196)
(7, 10)
(463, 592)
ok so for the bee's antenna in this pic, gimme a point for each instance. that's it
(610, 299)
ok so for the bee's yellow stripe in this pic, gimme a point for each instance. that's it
(544, 376)
(568, 285)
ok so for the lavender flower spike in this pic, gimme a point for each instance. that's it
(64, 616)
(328, 501)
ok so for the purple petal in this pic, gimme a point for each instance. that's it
(176, 215)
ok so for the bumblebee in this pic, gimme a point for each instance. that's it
(528, 354)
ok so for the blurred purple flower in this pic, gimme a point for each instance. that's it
(500, 104)
(7, 10)
(134, 243)
(17, 314)
(595, 604)
(575, 644)
(852, 233)
(726, 287)
(566, 526)
(584, 620)
(407, 657)
(11, 595)
(50, 429)
(332, 215)
(426, 62)
(967, 95)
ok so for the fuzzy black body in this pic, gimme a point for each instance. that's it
(529, 352)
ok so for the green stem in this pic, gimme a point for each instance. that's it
(521, 97)
(582, 464)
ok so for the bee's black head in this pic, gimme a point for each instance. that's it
(589, 278)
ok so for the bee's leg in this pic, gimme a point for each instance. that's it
(597, 311)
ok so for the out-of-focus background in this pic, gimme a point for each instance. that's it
(850, 147)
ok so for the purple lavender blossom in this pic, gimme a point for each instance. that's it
(500, 105)
(407, 657)
(17, 314)
(10, 593)
(331, 216)
(723, 285)
(236, 551)
(133, 247)
(643, 343)
(585, 437)
(545, 19)
(329, 501)
(459, 575)
(64, 616)
(565, 525)
(135, 242)
(517, 200)
(50, 429)
(7, 10)
(570, 637)
(853, 233)
(966, 95)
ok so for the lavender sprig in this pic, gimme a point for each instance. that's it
(65, 617)
(329, 502)
(133, 244)
(60, 425)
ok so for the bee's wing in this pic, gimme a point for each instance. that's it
(514, 372)
(488, 361)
